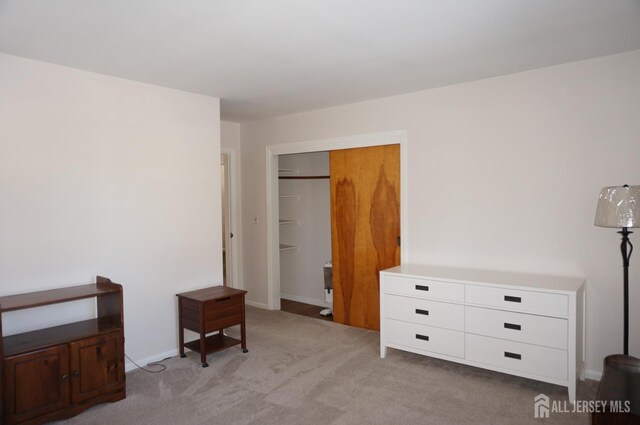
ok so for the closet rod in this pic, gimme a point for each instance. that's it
(303, 177)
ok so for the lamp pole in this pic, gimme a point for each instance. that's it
(626, 254)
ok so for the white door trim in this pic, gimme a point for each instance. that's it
(359, 141)
(234, 219)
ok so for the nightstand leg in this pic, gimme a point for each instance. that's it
(203, 350)
(243, 331)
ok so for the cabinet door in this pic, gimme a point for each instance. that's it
(36, 383)
(97, 366)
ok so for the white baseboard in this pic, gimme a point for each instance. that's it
(129, 366)
(255, 304)
(596, 375)
(306, 300)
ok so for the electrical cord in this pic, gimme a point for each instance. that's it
(158, 363)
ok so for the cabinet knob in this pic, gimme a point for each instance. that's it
(65, 377)
(76, 373)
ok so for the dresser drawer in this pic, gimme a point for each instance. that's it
(520, 327)
(424, 312)
(542, 361)
(424, 288)
(427, 338)
(529, 301)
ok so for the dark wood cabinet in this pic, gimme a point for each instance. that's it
(58, 372)
(36, 384)
(97, 366)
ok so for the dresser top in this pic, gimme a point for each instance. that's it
(212, 293)
(489, 277)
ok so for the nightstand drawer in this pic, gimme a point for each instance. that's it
(222, 302)
(520, 327)
(222, 313)
(527, 301)
(542, 361)
(424, 288)
(427, 338)
(424, 312)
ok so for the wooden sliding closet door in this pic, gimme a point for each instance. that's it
(365, 227)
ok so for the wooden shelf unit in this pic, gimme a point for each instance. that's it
(70, 367)
(56, 296)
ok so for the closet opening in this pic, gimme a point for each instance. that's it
(305, 234)
(311, 186)
(229, 209)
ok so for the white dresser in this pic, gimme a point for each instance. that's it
(521, 324)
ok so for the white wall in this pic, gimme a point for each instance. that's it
(503, 173)
(230, 134)
(101, 175)
(301, 270)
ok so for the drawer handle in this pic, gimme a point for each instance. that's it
(513, 355)
(223, 299)
(512, 299)
(513, 326)
(422, 288)
(422, 337)
(419, 311)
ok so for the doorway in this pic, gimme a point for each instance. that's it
(273, 151)
(305, 231)
(229, 223)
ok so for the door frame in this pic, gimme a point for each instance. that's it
(347, 142)
(234, 280)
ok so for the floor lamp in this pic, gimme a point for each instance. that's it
(619, 206)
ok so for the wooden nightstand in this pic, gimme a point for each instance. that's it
(208, 310)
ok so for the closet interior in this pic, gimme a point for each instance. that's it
(305, 228)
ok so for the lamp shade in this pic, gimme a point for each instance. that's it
(618, 206)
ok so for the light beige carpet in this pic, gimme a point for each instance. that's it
(301, 370)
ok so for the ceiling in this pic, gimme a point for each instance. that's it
(266, 58)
